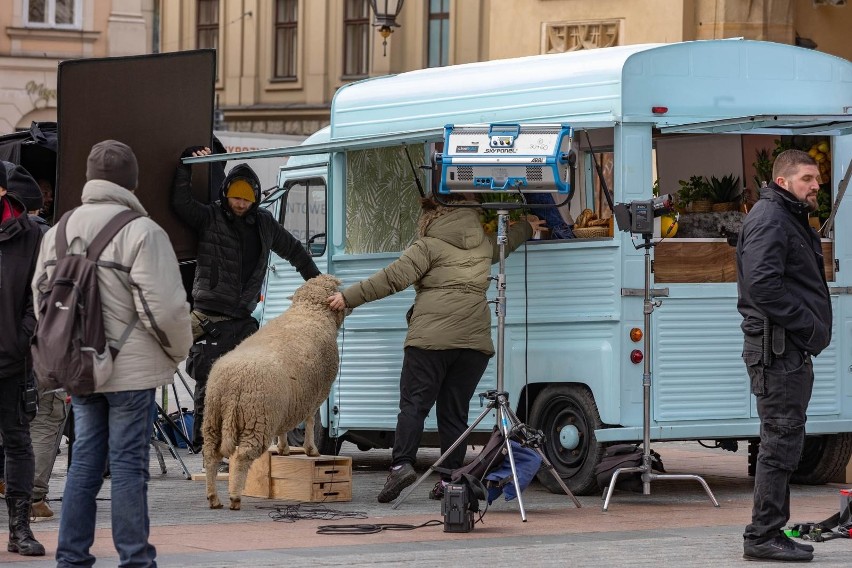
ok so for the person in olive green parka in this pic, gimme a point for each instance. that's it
(448, 344)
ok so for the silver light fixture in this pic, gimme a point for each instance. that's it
(386, 12)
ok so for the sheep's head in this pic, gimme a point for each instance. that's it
(315, 292)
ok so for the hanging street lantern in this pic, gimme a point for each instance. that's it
(386, 12)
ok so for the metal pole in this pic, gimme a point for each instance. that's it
(646, 469)
(502, 398)
(648, 307)
(502, 240)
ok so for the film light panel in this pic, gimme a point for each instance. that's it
(506, 157)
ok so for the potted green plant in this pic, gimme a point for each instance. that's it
(762, 168)
(725, 192)
(694, 195)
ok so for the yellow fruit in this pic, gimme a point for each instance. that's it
(668, 226)
(823, 147)
(819, 157)
(813, 152)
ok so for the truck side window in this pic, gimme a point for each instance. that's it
(303, 213)
(382, 201)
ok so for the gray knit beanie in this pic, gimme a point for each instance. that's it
(113, 161)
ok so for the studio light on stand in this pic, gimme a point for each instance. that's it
(386, 12)
(637, 218)
(505, 158)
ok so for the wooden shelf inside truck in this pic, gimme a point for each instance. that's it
(708, 260)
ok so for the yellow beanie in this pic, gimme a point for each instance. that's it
(242, 189)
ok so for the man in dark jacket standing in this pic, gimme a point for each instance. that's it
(19, 241)
(786, 309)
(234, 240)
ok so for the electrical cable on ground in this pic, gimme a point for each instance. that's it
(373, 529)
(290, 513)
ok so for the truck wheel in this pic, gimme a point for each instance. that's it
(824, 458)
(568, 416)
(325, 443)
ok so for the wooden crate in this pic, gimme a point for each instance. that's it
(300, 478)
(225, 475)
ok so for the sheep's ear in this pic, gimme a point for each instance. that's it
(289, 298)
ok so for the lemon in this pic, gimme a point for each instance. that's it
(668, 227)
(823, 147)
(813, 152)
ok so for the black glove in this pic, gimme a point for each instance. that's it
(190, 150)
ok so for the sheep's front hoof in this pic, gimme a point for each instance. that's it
(312, 451)
(214, 502)
(284, 450)
(235, 504)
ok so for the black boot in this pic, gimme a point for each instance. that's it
(21, 539)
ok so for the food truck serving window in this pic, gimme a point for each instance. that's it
(303, 213)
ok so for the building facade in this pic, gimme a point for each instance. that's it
(38, 34)
(281, 61)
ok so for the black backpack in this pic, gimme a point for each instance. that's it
(69, 347)
(620, 456)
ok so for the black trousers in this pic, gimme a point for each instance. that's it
(206, 350)
(15, 428)
(446, 378)
(783, 391)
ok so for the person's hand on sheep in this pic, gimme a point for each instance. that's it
(536, 223)
(336, 302)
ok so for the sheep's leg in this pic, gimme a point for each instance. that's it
(248, 451)
(212, 457)
(283, 444)
(309, 445)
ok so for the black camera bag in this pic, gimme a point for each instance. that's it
(621, 456)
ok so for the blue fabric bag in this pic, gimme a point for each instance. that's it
(527, 464)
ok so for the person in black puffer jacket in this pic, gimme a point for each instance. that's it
(234, 240)
(786, 309)
(19, 241)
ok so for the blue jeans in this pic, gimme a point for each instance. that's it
(117, 426)
(559, 229)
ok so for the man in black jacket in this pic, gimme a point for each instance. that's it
(786, 309)
(19, 242)
(234, 240)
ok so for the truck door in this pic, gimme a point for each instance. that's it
(300, 207)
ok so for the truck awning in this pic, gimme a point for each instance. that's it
(340, 145)
(830, 124)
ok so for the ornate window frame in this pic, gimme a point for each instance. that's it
(561, 37)
(50, 16)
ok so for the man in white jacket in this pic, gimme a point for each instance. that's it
(137, 276)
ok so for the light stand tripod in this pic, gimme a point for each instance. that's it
(647, 473)
(160, 438)
(498, 400)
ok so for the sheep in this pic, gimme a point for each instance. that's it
(268, 384)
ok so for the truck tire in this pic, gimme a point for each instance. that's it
(824, 458)
(568, 406)
(326, 445)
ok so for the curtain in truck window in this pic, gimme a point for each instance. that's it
(382, 201)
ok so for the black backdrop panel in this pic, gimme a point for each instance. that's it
(156, 104)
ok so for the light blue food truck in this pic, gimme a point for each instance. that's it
(647, 115)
